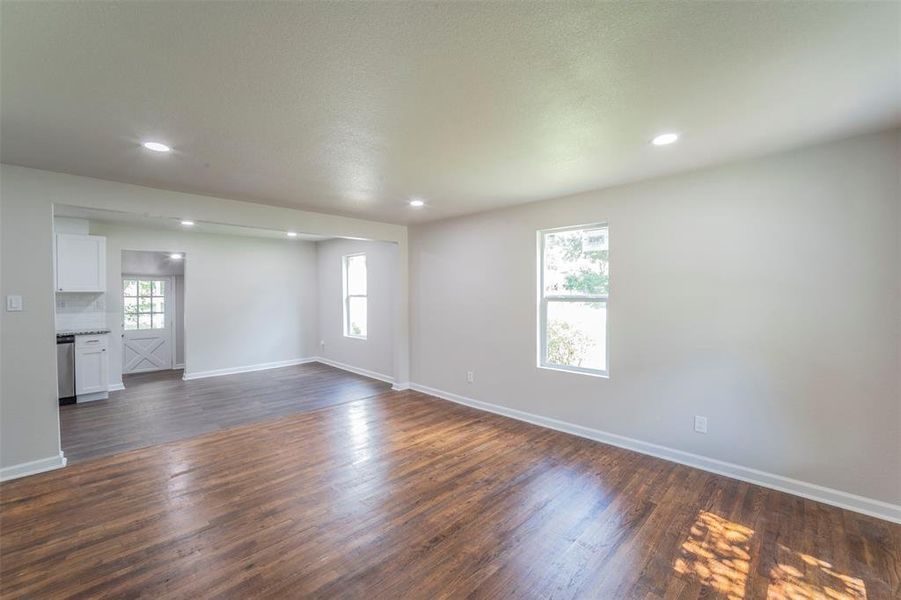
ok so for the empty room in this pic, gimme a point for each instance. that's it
(450, 300)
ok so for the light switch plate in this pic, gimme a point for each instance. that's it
(13, 303)
(701, 424)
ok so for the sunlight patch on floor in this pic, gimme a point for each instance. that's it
(799, 576)
(717, 552)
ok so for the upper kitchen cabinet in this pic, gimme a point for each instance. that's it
(80, 263)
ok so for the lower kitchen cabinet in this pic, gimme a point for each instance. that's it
(91, 364)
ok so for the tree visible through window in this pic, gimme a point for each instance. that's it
(144, 303)
(355, 296)
(574, 285)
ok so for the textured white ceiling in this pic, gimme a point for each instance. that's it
(353, 108)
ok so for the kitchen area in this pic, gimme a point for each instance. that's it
(82, 331)
(119, 312)
(119, 305)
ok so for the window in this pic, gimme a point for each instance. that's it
(355, 296)
(144, 302)
(573, 287)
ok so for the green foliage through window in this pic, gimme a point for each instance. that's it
(566, 345)
(575, 282)
(569, 269)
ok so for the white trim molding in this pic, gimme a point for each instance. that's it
(115, 387)
(93, 397)
(400, 387)
(33, 468)
(246, 368)
(811, 491)
(353, 369)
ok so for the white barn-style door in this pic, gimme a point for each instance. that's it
(146, 323)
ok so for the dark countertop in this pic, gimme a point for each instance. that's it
(96, 331)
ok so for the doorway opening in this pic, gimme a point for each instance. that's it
(152, 311)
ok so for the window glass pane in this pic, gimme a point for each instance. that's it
(576, 334)
(357, 316)
(131, 322)
(131, 305)
(144, 287)
(144, 304)
(356, 275)
(130, 287)
(159, 321)
(144, 322)
(575, 262)
(158, 305)
(159, 288)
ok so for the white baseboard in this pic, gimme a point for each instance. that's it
(247, 368)
(178, 366)
(33, 468)
(353, 369)
(115, 387)
(399, 387)
(812, 491)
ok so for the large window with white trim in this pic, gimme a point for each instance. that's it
(355, 296)
(574, 283)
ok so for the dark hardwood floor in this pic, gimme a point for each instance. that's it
(400, 495)
(159, 407)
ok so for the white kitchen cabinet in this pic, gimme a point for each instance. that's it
(91, 364)
(80, 263)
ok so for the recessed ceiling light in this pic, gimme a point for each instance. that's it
(416, 203)
(157, 147)
(187, 222)
(665, 138)
(176, 256)
(292, 234)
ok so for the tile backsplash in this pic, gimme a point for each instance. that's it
(80, 310)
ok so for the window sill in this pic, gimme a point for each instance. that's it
(598, 374)
(355, 337)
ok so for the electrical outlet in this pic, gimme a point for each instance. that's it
(700, 424)
(13, 303)
(470, 376)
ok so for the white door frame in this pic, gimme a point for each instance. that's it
(170, 322)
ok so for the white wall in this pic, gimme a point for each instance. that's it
(29, 426)
(29, 419)
(71, 225)
(140, 262)
(375, 353)
(763, 294)
(248, 300)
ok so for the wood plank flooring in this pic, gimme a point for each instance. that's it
(159, 407)
(400, 495)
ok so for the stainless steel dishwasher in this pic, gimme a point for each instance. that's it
(65, 368)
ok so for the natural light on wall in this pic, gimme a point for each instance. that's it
(573, 288)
